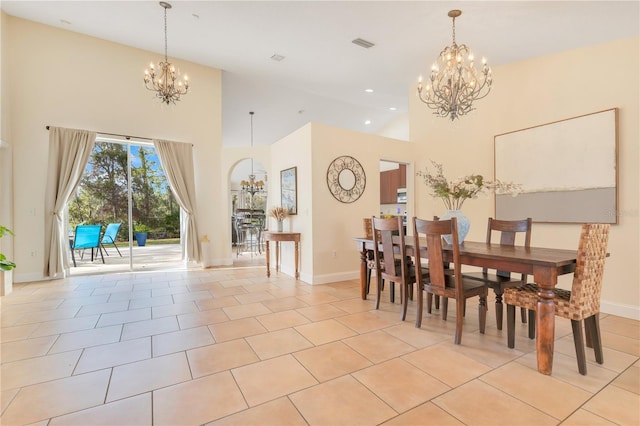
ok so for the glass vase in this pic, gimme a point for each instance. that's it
(463, 225)
(279, 226)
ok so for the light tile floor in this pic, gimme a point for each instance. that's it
(232, 347)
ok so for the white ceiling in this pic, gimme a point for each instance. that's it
(324, 75)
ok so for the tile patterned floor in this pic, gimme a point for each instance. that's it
(232, 347)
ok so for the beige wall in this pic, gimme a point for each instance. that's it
(327, 226)
(539, 91)
(65, 79)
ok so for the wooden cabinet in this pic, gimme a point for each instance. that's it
(390, 181)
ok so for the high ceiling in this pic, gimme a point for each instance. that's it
(324, 75)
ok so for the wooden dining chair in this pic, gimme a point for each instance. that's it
(370, 261)
(580, 304)
(447, 283)
(501, 280)
(391, 261)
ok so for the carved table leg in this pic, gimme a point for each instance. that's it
(545, 318)
(296, 256)
(268, 259)
(363, 272)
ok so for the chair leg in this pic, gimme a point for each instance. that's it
(523, 315)
(593, 324)
(482, 313)
(105, 249)
(392, 289)
(405, 300)
(117, 249)
(368, 280)
(437, 302)
(532, 324)
(429, 299)
(578, 341)
(74, 258)
(378, 291)
(100, 250)
(587, 334)
(511, 326)
(420, 296)
(445, 305)
(459, 320)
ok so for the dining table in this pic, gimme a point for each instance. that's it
(543, 264)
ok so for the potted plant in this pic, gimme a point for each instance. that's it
(141, 234)
(5, 264)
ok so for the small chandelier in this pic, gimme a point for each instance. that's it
(252, 186)
(165, 86)
(454, 82)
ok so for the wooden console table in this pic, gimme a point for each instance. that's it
(277, 237)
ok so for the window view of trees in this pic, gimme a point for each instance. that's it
(101, 197)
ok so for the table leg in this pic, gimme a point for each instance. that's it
(277, 255)
(268, 260)
(363, 272)
(296, 249)
(546, 279)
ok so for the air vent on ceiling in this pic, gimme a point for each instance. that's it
(362, 43)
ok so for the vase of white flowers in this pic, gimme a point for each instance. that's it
(454, 193)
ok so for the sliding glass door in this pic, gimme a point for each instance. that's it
(124, 189)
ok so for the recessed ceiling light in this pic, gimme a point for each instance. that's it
(195, 15)
(277, 57)
(64, 21)
(392, 108)
(368, 90)
(367, 122)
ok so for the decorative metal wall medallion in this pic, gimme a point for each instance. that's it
(346, 179)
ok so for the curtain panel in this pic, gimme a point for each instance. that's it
(69, 152)
(177, 161)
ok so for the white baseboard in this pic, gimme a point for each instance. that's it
(621, 310)
(29, 277)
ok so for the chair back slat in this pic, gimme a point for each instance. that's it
(509, 230)
(431, 233)
(587, 279)
(392, 252)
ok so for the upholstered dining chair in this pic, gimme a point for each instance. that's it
(501, 280)
(391, 260)
(580, 304)
(448, 283)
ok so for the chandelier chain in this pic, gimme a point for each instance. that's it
(165, 36)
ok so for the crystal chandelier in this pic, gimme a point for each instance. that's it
(252, 185)
(164, 83)
(454, 82)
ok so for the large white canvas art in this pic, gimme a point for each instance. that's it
(567, 169)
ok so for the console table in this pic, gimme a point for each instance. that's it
(277, 237)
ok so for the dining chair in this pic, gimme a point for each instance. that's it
(109, 237)
(391, 261)
(500, 280)
(581, 303)
(86, 236)
(447, 283)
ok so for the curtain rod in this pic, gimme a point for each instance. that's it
(122, 136)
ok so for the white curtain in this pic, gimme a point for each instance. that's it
(177, 161)
(69, 152)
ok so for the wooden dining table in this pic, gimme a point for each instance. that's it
(543, 264)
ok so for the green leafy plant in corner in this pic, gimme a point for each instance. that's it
(5, 265)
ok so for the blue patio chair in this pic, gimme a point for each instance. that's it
(86, 237)
(109, 237)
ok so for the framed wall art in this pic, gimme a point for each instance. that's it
(568, 170)
(288, 190)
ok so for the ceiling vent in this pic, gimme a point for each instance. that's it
(277, 57)
(362, 43)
